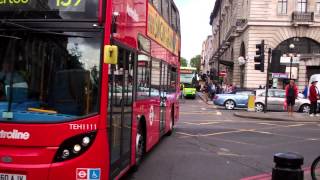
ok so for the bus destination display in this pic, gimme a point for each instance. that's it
(43, 5)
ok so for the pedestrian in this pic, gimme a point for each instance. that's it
(305, 91)
(213, 90)
(291, 96)
(313, 97)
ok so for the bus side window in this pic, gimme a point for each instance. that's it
(143, 77)
(155, 78)
(173, 79)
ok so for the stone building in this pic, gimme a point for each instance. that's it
(238, 25)
(206, 54)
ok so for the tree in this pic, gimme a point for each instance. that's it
(183, 62)
(196, 62)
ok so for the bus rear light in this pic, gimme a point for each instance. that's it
(74, 147)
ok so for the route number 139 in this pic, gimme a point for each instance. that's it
(68, 3)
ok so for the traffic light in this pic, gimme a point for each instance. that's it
(259, 58)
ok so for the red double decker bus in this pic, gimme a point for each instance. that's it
(87, 87)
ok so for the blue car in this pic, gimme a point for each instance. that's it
(238, 99)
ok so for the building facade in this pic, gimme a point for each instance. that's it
(206, 54)
(238, 25)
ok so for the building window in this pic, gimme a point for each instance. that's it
(282, 6)
(318, 7)
(302, 6)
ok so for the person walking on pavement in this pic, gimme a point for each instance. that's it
(313, 97)
(291, 96)
(305, 92)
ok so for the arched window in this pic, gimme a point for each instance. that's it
(282, 7)
(302, 5)
(302, 46)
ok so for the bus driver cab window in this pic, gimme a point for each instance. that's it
(10, 78)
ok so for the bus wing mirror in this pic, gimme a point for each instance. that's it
(110, 54)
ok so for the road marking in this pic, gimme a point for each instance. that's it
(296, 125)
(203, 109)
(219, 113)
(224, 149)
(263, 132)
(215, 134)
(220, 133)
(228, 154)
(186, 134)
(270, 124)
(198, 124)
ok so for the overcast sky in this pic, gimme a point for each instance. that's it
(195, 17)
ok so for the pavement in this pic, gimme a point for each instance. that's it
(277, 116)
(213, 144)
(271, 116)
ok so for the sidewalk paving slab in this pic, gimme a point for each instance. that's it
(277, 116)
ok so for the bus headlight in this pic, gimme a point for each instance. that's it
(74, 146)
(85, 141)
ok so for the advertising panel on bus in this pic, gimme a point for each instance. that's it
(160, 31)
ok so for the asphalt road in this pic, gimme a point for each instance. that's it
(212, 144)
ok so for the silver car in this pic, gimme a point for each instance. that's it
(276, 98)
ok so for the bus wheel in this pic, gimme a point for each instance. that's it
(140, 146)
(171, 126)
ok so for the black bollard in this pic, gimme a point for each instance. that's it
(287, 166)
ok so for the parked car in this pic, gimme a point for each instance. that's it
(230, 101)
(276, 98)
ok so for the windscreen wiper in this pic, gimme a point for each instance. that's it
(10, 37)
(14, 24)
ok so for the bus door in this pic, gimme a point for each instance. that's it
(163, 97)
(120, 111)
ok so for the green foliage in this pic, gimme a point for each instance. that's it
(183, 62)
(196, 62)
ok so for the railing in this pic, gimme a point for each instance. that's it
(302, 17)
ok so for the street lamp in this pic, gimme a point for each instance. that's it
(291, 46)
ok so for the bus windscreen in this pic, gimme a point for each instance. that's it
(49, 9)
(48, 78)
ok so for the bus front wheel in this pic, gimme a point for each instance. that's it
(140, 145)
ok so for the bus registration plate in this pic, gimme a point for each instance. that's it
(4, 176)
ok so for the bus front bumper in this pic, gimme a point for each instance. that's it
(29, 163)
